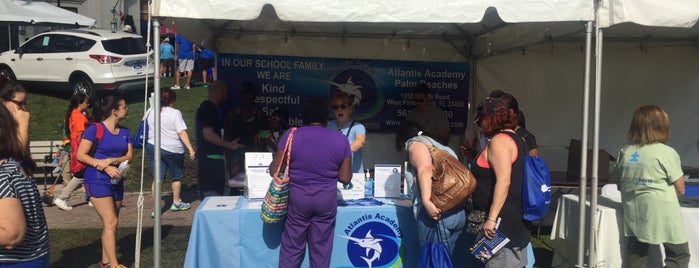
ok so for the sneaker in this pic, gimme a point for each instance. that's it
(89, 204)
(175, 87)
(186, 87)
(179, 206)
(57, 170)
(206, 85)
(62, 204)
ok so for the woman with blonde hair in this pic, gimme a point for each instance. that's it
(649, 176)
(341, 104)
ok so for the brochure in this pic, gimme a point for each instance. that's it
(257, 174)
(352, 191)
(387, 180)
(486, 248)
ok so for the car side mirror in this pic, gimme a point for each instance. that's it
(19, 50)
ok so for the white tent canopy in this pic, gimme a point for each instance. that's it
(533, 49)
(37, 12)
(535, 39)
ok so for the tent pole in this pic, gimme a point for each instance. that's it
(595, 147)
(156, 152)
(583, 149)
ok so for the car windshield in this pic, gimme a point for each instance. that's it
(125, 46)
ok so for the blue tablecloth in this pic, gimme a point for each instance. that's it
(237, 237)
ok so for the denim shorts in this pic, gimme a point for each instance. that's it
(173, 162)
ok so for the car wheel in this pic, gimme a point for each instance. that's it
(83, 85)
(7, 74)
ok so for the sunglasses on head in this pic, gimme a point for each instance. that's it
(338, 107)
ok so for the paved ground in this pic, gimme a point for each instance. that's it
(84, 216)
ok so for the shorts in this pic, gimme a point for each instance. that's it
(173, 162)
(185, 65)
(168, 63)
(204, 64)
(100, 189)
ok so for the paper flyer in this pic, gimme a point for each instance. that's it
(387, 180)
(220, 203)
(354, 190)
(257, 176)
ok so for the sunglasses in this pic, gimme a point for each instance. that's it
(21, 104)
(339, 107)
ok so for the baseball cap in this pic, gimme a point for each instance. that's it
(492, 106)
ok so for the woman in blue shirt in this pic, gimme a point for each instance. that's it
(112, 146)
(355, 132)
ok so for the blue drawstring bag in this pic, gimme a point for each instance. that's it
(536, 188)
(435, 254)
(141, 134)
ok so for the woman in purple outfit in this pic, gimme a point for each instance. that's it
(319, 158)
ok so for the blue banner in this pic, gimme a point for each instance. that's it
(381, 89)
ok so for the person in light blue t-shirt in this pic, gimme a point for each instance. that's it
(355, 132)
(167, 62)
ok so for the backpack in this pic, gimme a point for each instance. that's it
(536, 188)
(77, 167)
(141, 135)
(452, 182)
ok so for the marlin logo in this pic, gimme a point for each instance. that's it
(369, 243)
(351, 89)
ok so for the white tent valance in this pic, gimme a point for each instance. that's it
(670, 13)
(439, 11)
(36, 12)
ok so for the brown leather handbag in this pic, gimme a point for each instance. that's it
(452, 182)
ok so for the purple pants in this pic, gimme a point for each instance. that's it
(311, 219)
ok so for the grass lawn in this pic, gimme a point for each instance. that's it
(81, 247)
(48, 110)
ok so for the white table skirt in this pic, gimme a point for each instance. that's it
(610, 247)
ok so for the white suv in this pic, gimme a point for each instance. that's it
(80, 60)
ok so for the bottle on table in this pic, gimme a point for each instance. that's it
(368, 183)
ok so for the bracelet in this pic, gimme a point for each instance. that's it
(489, 219)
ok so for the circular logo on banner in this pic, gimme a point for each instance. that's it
(366, 98)
(373, 244)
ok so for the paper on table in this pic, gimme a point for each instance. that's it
(387, 180)
(254, 205)
(257, 174)
(354, 190)
(220, 203)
